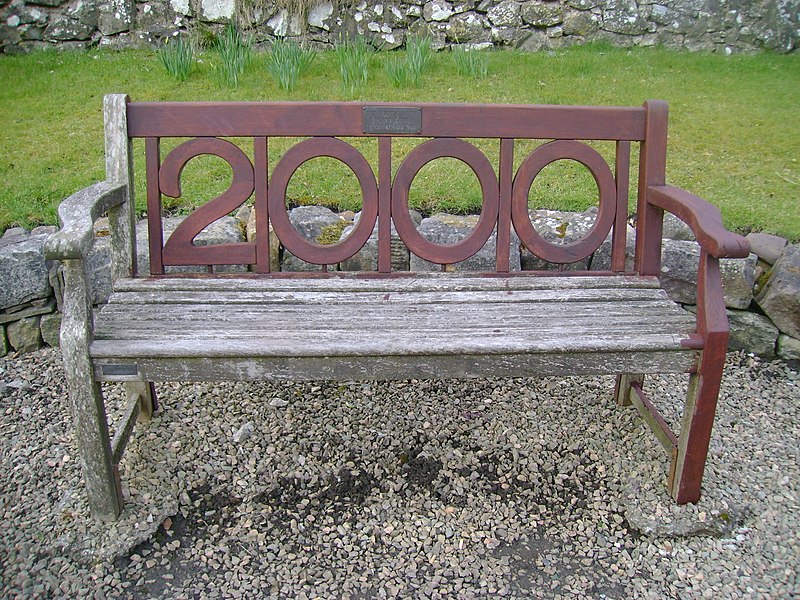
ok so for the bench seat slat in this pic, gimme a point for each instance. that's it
(483, 324)
(347, 282)
(471, 298)
(259, 322)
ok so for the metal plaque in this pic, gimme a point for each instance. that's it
(116, 370)
(392, 119)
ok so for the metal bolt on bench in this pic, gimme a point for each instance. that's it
(165, 326)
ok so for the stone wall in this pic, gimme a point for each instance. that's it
(719, 25)
(762, 292)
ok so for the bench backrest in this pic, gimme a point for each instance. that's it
(212, 128)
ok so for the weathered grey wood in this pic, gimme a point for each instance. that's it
(421, 282)
(88, 410)
(388, 298)
(77, 215)
(146, 394)
(653, 420)
(622, 389)
(379, 368)
(524, 327)
(126, 426)
(119, 170)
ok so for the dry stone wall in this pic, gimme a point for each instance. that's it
(719, 25)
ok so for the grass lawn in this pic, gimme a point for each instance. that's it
(734, 128)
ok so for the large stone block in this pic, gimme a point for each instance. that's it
(559, 228)
(226, 230)
(504, 14)
(24, 335)
(601, 259)
(155, 21)
(450, 229)
(217, 11)
(780, 297)
(23, 270)
(366, 259)
(752, 332)
(679, 262)
(98, 266)
(50, 327)
(116, 16)
(437, 10)
(78, 23)
(675, 229)
(310, 222)
(766, 246)
(320, 14)
(467, 27)
(788, 347)
(542, 15)
(582, 23)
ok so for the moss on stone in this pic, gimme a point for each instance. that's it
(331, 234)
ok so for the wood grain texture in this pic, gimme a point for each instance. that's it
(248, 119)
(77, 215)
(379, 368)
(409, 328)
(88, 409)
(119, 169)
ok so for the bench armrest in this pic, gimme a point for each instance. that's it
(77, 215)
(703, 219)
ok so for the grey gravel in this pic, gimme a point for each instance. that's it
(520, 488)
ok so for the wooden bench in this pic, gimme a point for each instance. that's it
(165, 326)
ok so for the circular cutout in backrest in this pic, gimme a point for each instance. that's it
(571, 251)
(411, 166)
(299, 246)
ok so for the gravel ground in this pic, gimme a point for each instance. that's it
(526, 488)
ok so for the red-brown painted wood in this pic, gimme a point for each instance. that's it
(622, 177)
(261, 204)
(154, 226)
(504, 216)
(704, 220)
(385, 205)
(712, 323)
(180, 248)
(527, 172)
(269, 119)
(292, 240)
(416, 159)
(652, 171)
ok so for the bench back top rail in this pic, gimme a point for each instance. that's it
(443, 129)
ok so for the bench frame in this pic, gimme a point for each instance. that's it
(385, 202)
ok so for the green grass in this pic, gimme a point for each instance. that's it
(733, 127)
(407, 69)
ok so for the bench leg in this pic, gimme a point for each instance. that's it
(686, 474)
(99, 471)
(148, 401)
(86, 398)
(622, 390)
